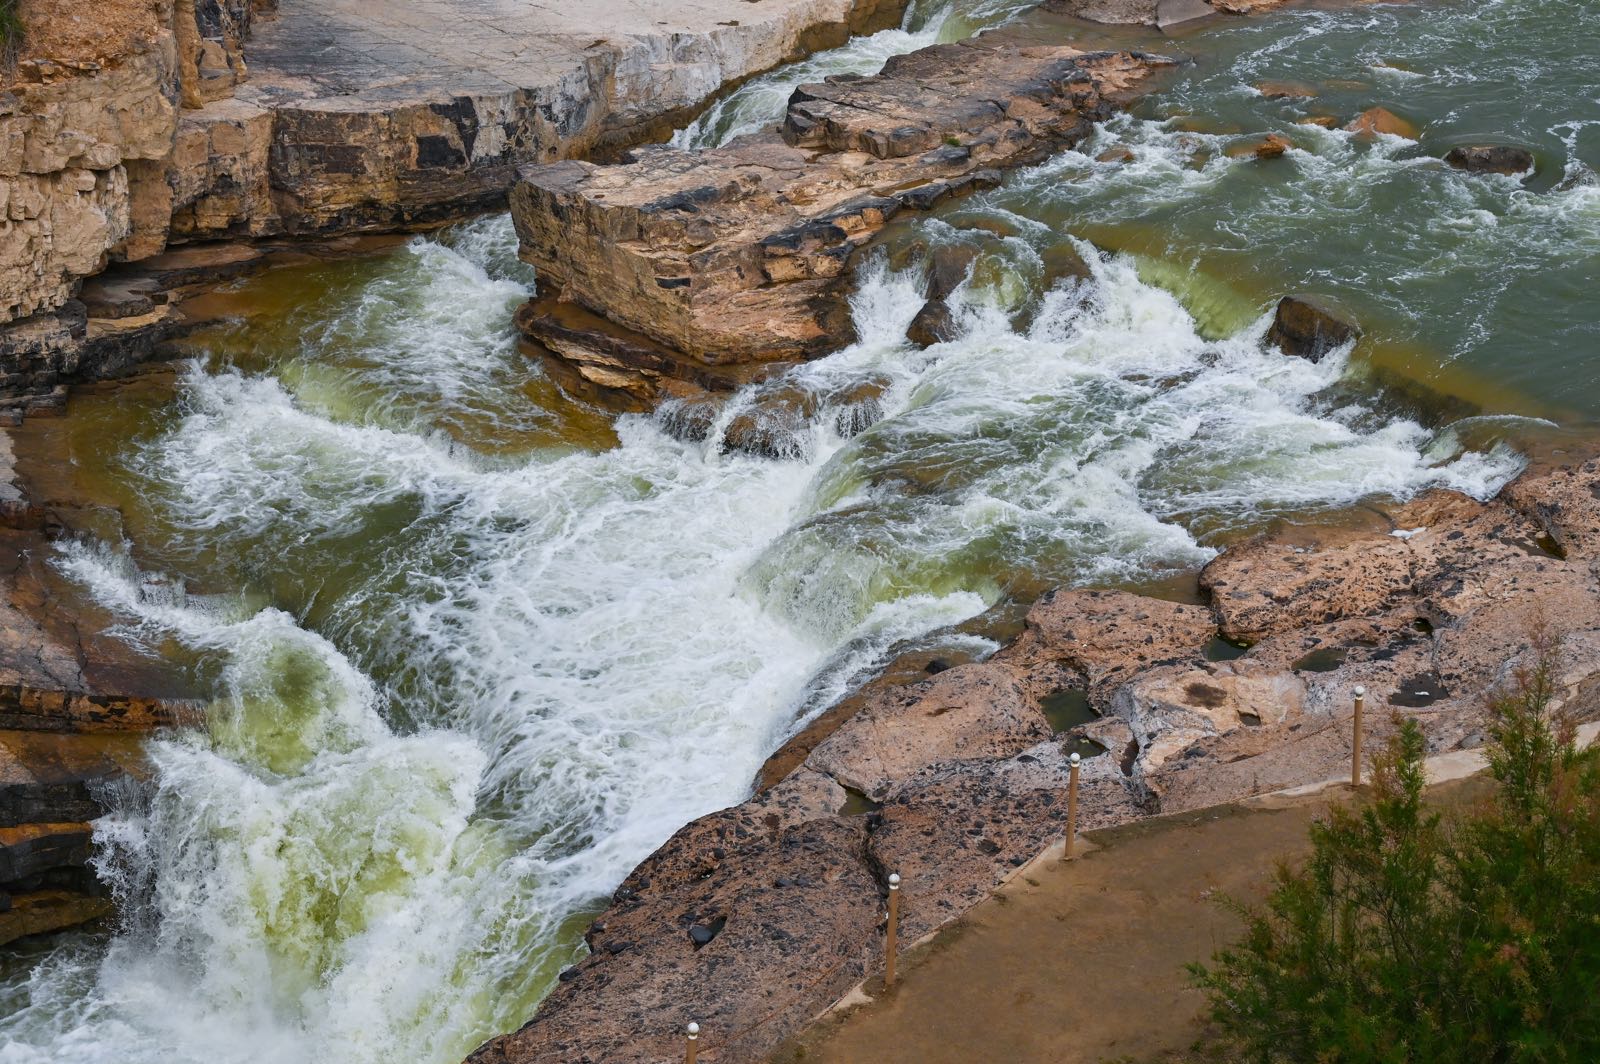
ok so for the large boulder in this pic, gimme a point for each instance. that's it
(1309, 327)
(736, 257)
(1491, 159)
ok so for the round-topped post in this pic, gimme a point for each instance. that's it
(691, 1042)
(1072, 808)
(1355, 739)
(892, 933)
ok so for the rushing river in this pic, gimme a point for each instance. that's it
(476, 650)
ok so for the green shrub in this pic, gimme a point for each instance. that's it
(1407, 937)
(10, 31)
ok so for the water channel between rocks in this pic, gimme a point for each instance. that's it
(477, 650)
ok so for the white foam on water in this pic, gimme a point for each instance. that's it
(613, 642)
(598, 646)
(761, 102)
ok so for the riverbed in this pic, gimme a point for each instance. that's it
(476, 649)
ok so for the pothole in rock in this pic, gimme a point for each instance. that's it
(1423, 689)
(702, 933)
(1222, 649)
(1083, 746)
(1543, 545)
(1323, 659)
(856, 803)
(1066, 709)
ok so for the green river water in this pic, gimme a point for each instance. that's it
(475, 649)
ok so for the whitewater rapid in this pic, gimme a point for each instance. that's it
(476, 651)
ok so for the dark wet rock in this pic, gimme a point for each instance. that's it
(1310, 326)
(68, 739)
(934, 324)
(1491, 159)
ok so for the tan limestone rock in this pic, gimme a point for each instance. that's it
(967, 711)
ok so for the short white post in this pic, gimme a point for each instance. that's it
(1072, 809)
(691, 1042)
(893, 932)
(1355, 740)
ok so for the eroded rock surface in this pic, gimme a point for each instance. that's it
(73, 706)
(708, 261)
(956, 784)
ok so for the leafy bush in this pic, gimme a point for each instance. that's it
(10, 31)
(1407, 937)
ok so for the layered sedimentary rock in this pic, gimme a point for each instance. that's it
(949, 776)
(708, 263)
(73, 706)
(141, 123)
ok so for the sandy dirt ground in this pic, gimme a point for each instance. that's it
(1083, 961)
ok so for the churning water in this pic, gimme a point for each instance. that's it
(477, 650)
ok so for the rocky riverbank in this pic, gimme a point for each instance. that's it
(74, 705)
(156, 124)
(754, 919)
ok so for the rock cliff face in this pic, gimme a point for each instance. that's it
(957, 780)
(73, 705)
(709, 263)
(90, 115)
(139, 123)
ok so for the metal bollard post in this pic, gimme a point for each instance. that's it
(1355, 740)
(1072, 809)
(691, 1042)
(893, 931)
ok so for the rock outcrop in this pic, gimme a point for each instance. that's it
(64, 737)
(1310, 326)
(141, 124)
(1491, 159)
(709, 265)
(948, 775)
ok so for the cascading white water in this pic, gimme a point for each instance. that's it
(516, 658)
(761, 102)
(611, 644)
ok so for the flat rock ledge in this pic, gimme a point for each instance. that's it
(754, 919)
(165, 122)
(682, 271)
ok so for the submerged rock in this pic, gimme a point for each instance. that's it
(1491, 159)
(1309, 327)
(1378, 120)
